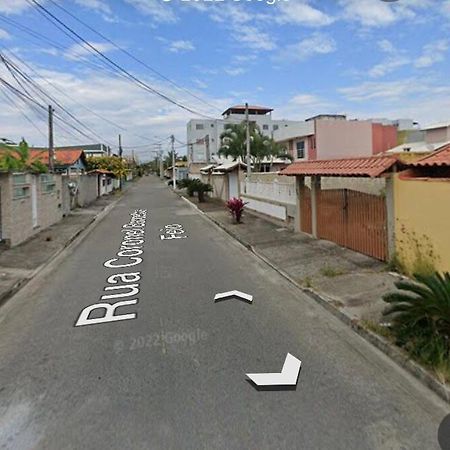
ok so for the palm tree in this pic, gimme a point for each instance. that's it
(233, 144)
(420, 312)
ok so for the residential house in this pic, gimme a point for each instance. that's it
(95, 150)
(67, 161)
(334, 136)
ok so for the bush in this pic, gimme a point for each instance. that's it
(420, 315)
(236, 207)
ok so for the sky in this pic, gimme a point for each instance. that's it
(363, 58)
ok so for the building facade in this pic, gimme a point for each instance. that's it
(203, 136)
(334, 136)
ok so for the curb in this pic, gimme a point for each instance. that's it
(396, 354)
(24, 281)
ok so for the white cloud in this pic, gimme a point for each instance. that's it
(302, 13)
(97, 5)
(445, 8)
(13, 6)
(181, 46)
(316, 44)
(386, 46)
(433, 53)
(234, 71)
(81, 51)
(158, 11)
(4, 35)
(389, 65)
(304, 105)
(376, 13)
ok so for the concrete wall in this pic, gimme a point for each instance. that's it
(437, 135)
(384, 137)
(343, 138)
(422, 218)
(87, 189)
(17, 212)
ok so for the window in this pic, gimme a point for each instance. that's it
(265, 127)
(275, 127)
(47, 183)
(212, 125)
(300, 149)
(21, 189)
(199, 126)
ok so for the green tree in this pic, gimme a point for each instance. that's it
(17, 158)
(115, 164)
(233, 145)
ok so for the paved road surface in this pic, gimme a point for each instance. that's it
(174, 378)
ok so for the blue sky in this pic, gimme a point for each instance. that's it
(365, 58)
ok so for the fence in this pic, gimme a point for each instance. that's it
(270, 194)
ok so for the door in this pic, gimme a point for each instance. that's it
(233, 181)
(34, 211)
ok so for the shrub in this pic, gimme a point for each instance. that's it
(236, 208)
(201, 188)
(420, 316)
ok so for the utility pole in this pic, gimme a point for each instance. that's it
(247, 141)
(174, 172)
(51, 149)
(120, 156)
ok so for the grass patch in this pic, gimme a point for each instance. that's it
(377, 329)
(331, 272)
(307, 282)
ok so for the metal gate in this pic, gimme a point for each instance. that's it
(354, 220)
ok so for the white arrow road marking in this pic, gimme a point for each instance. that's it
(287, 377)
(230, 294)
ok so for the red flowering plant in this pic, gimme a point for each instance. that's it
(236, 208)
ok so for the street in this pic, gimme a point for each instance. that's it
(173, 376)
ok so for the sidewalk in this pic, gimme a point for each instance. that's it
(20, 264)
(351, 282)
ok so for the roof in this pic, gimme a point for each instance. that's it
(62, 157)
(259, 109)
(228, 167)
(207, 168)
(102, 172)
(372, 166)
(439, 158)
(417, 147)
(437, 125)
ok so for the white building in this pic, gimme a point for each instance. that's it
(203, 136)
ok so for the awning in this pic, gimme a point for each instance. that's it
(372, 166)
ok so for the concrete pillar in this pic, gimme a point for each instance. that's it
(390, 209)
(315, 188)
(299, 189)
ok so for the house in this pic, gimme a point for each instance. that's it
(90, 150)
(439, 132)
(328, 136)
(67, 161)
(181, 171)
(203, 135)
(105, 181)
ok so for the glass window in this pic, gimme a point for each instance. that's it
(300, 149)
(21, 192)
(47, 182)
(275, 127)
(19, 179)
(199, 126)
(265, 127)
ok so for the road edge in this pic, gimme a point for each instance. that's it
(394, 353)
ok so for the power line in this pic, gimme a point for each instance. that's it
(52, 18)
(126, 52)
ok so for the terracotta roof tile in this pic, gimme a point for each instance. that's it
(62, 157)
(440, 157)
(370, 167)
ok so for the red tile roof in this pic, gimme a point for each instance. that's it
(62, 157)
(440, 157)
(372, 166)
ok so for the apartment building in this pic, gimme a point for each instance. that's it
(203, 136)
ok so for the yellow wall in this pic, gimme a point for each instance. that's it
(422, 225)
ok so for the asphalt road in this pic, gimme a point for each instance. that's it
(174, 377)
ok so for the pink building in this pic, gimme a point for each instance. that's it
(333, 136)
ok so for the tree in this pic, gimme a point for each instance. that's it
(17, 158)
(233, 145)
(115, 164)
